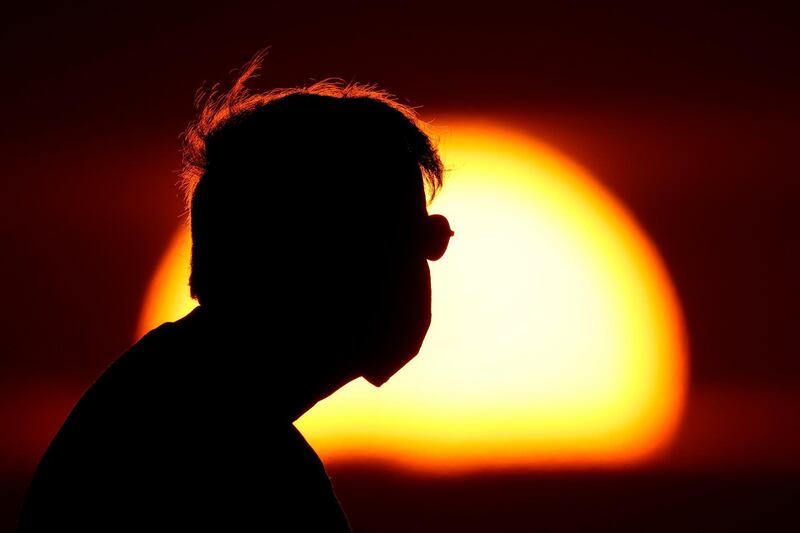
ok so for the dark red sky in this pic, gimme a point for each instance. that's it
(687, 113)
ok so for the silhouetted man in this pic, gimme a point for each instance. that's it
(309, 262)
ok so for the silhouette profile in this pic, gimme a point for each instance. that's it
(311, 237)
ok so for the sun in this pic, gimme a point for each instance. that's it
(557, 337)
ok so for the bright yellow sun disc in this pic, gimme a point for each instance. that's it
(557, 337)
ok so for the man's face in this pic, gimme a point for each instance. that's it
(398, 314)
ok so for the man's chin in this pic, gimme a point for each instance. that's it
(379, 375)
(377, 380)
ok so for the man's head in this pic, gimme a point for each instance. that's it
(309, 204)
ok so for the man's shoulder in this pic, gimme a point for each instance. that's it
(166, 336)
(135, 375)
(137, 362)
(97, 446)
(159, 347)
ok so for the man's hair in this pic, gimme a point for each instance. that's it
(339, 150)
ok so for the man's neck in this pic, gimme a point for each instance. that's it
(280, 369)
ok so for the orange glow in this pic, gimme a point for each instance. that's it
(557, 338)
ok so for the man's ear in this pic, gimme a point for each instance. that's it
(436, 237)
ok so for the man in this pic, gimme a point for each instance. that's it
(309, 263)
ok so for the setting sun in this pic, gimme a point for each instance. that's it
(557, 336)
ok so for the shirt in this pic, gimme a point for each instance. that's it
(170, 436)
